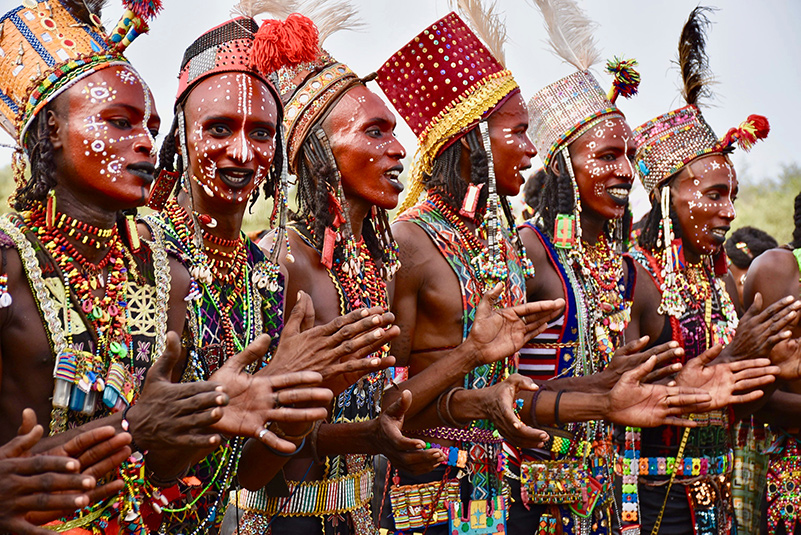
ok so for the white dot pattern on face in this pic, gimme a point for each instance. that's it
(696, 207)
(242, 149)
(95, 126)
(594, 168)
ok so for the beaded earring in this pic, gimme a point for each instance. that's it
(50, 210)
(391, 263)
(570, 230)
(132, 231)
(267, 277)
(672, 303)
(351, 263)
(492, 261)
(200, 270)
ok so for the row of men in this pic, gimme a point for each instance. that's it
(157, 353)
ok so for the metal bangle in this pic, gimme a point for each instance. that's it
(282, 454)
(556, 409)
(533, 410)
(280, 433)
(450, 419)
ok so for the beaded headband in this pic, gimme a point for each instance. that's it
(49, 45)
(443, 82)
(310, 90)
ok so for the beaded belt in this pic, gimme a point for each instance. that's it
(474, 435)
(314, 498)
(663, 466)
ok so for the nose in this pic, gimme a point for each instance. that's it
(530, 149)
(239, 149)
(145, 144)
(396, 149)
(728, 212)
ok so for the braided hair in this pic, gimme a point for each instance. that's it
(43, 163)
(796, 243)
(557, 198)
(756, 242)
(317, 176)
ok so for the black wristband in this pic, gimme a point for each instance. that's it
(556, 409)
(533, 411)
(126, 426)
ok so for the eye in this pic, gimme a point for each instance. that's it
(373, 131)
(714, 195)
(219, 130)
(154, 132)
(262, 134)
(120, 122)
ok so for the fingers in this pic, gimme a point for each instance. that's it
(201, 403)
(294, 415)
(52, 502)
(297, 315)
(756, 382)
(360, 316)
(51, 482)
(42, 464)
(419, 462)
(762, 365)
(87, 440)
(747, 398)
(108, 463)
(271, 440)
(680, 422)
(639, 373)
(489, 299)
(28, 422)
(365, 337)
(253, 352)
(710, 354)
(635, 346)
(316, 396)
(105, 456)
(662, 372)
(162, 369)
(755, 308)
(98, 494)
(289, 380)
(401, 405)
(360, 366)
(18, 525)
(22, 444)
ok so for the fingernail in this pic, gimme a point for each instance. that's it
(87, 483)
(81, 501)
(72, 465)
(364, 313)
(378, 333)
(375, 362)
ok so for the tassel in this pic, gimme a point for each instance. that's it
(284, 43)
(564, 231)
(627, 78)
(162, 189)
(133, 232)
(750, 131)
(145, 9)
(50, 210)
(470, 202)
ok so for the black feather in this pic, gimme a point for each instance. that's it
(693, 61)
(82, 9)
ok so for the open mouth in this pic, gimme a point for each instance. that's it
(393, 176)
(719, 234)
(235, 177)
(143, 170)
(619, 193)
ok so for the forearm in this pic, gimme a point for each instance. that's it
(345, 438)
(428, 384)
(572, 407)
(781, 409)
(588, 383)
(262, 464)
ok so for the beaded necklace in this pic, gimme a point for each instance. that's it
(107, 314)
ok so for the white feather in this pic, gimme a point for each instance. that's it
(570, 32)
(485, 20)
(279, 9)
(331, 16)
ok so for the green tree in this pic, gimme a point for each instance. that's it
(768, 205)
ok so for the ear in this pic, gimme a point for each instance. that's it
(555, 167)
(465, 144)
(55, 125)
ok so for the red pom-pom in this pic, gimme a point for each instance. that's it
(761, 125)
(284, 43)
(146, 9)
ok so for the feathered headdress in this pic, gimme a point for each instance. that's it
(669, 142)
(484, 19)
(565, 109)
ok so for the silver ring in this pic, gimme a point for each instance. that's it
(262, 433)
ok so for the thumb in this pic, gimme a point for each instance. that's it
(635, 346)
(253, 352)
(491, 297)
(28, 422)
(710, 354)
(163, 368)
(293, 322)
(756, 306)
(639, 373)
(398, 409)
(308, 311)
(23, 443)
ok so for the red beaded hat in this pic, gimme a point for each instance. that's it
(442, 83)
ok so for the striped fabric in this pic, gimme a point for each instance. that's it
(538, 358)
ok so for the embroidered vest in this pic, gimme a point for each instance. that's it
(200, 498)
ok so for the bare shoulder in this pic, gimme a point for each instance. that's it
(774, 274)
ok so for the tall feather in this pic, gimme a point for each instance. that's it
(693, 61)
(570, 32)
(331, 16)
(484, 19)
(279, 9)
(82, 9)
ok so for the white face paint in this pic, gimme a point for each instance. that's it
(231, 140)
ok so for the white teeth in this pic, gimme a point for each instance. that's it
(719, 232)
(393, 174)
(621, 193)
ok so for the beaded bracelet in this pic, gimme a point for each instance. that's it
(126, 426)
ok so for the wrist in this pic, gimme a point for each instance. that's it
(469, 356)
(605, 402)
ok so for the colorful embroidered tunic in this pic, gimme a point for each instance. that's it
(68, 327)
(572, 346)
(340, 500)
(199, 499)
(486, 459)
(706, 465)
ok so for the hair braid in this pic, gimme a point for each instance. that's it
(43, 165)
(796, 243)
(557, 195)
